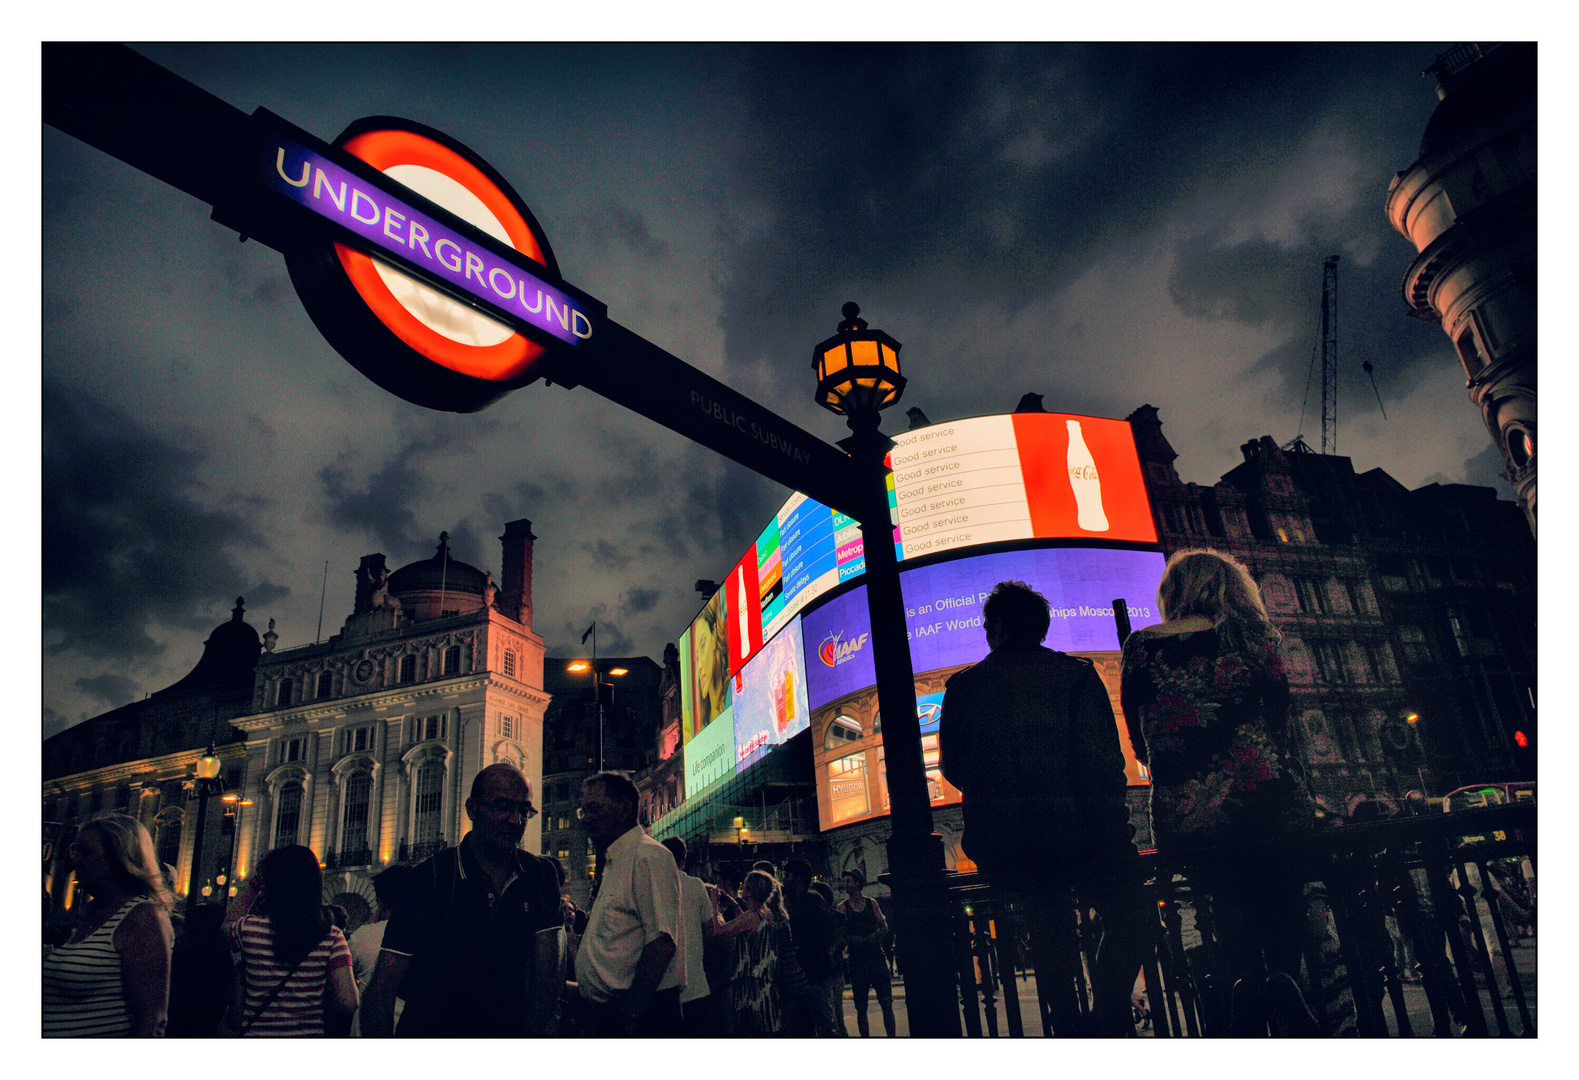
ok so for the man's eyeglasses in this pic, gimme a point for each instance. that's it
(505, 807)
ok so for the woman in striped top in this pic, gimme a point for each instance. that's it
(112, 977)
(292, 962)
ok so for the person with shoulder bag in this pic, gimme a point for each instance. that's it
(293, 964)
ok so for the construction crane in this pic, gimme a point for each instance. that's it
(1327, 347)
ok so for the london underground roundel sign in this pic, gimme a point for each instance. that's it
(435, 346)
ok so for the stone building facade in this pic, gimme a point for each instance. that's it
(1468, 205)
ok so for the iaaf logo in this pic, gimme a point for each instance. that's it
(834, 650)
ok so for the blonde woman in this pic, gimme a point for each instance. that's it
(112, 977)
(760, 990)
(1206, 700)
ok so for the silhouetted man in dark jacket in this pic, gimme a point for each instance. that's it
(1029, 738)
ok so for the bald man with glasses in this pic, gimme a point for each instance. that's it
(478, 951)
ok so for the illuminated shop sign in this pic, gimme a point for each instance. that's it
(1017, 477)
(770, 703)
(943, 611)
(388, 223)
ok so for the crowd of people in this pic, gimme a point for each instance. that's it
(480, 940)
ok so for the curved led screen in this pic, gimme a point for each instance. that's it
(943, 611)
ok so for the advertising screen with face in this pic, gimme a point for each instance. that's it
(770, 697)
(706, 692)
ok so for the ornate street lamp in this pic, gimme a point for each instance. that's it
(857, 377)
(207, 784)
(858, 371)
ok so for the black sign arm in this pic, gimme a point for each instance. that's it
(126, 105)
(631, 371)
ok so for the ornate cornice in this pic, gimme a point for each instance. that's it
(406, 693)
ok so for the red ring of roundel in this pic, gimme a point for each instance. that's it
(509, 359)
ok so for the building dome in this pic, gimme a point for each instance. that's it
(429, 587)
(229, 656)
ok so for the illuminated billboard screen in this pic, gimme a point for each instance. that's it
(709, 757)
(943, 611)
(1020, 476)
(770, 697)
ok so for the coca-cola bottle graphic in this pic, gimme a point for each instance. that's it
(744, 627)
(1085, 482)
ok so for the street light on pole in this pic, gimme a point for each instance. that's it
(207, 784)
(857, 377)
(598, 684)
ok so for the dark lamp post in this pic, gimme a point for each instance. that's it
(598, 686)
(857, 377)
(858, 370)
(207, 784)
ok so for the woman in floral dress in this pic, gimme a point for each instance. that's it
(1206, 699)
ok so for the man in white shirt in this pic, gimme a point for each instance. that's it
(631, 964)
(701, 918)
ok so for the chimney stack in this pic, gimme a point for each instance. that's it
(515, 593)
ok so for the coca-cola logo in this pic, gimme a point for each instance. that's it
(1083, 472)
(835, 650)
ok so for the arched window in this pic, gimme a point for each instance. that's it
(325, 683)
(170, 842)
(452, 660)
(353, 833)
(288, 814)
(408, 669)
(287, 688)
(430, 796)
(844, 729)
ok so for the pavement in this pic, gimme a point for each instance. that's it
(1416, 1006)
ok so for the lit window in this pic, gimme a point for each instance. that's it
(847, 783)
(288, 816)
(507, 727)
(430, 789)
(358, 794)
(170, 842)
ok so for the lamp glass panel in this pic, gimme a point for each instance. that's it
(865, 353)
(834, 360)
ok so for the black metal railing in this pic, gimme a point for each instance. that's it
(362, 856)
(1414, 888)
(417, 852)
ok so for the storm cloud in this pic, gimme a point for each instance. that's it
(1106, 225)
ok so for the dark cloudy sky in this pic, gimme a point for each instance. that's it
(1105, 225)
